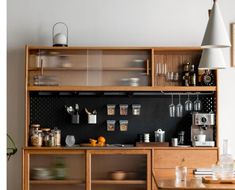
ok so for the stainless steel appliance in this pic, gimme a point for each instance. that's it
(203, 124)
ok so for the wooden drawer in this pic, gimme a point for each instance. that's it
(169, 158)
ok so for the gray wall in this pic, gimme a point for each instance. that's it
(99, 22)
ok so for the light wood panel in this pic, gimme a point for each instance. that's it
(190, 158)
(119, 182)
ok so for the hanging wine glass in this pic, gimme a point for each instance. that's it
(172, 108)
(197, 104)
(179, 109)
(188, 105)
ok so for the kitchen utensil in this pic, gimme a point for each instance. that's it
(179, 109)
(181, 137)
(172, 108)
(41, 174)
(188, 106)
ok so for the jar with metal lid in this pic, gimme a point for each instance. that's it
(33, 128)
(57, 136)
(46, 136)
(36, 138)
(51, 141)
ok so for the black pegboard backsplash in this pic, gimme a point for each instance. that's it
(48, 109)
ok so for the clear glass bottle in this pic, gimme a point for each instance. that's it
(226, 162)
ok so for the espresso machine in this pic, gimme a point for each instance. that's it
(202, 129)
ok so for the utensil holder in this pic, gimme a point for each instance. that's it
(92, 118)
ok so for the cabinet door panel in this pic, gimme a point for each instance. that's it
(190, 158)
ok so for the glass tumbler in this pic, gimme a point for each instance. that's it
(181, 173)
(70, 140)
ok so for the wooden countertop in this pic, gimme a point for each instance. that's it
(117, 147)
(191, 184)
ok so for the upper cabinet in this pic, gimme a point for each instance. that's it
(109, 68)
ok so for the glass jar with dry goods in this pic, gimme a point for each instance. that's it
(57, 136)
(33, 128)
(36, 138)
(48, 137)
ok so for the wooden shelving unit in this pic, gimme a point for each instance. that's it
(118, 63)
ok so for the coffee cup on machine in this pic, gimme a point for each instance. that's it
(200, 137)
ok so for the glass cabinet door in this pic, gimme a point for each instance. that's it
(89, 67)
(112, 171)
(60, 171)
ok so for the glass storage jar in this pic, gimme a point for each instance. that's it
(36, 138)
(46, 136)
(57, 136)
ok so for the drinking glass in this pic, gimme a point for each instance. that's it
(197, 104)
(188, 105)
(181, 173)
(172, 108)
(179, 109)
(70, 140)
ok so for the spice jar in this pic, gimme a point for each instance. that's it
(136, 109)
(57, 136)
(111, 109)
(123, 125)
(123, 109)
(111, 125)
(36, 138)
(46, 136)
(51, 141)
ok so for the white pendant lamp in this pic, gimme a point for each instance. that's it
(212, 59)
(216, 35)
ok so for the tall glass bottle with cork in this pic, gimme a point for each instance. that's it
(226, 162)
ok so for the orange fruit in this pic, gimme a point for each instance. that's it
(101, 139)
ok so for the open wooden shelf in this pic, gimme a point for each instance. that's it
(119, 182)
(58, 182)
(125, 88)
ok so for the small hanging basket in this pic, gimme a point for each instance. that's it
(60, 39)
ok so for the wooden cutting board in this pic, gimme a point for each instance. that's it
(208, 179)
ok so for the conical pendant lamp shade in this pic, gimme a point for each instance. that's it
(216, 34)
(212, 58)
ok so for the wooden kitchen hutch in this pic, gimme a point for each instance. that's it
(110, 70)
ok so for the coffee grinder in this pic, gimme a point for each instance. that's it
(203, 123)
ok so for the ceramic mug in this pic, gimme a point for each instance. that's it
(200, 137)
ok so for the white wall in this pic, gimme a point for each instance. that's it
(98, 22)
